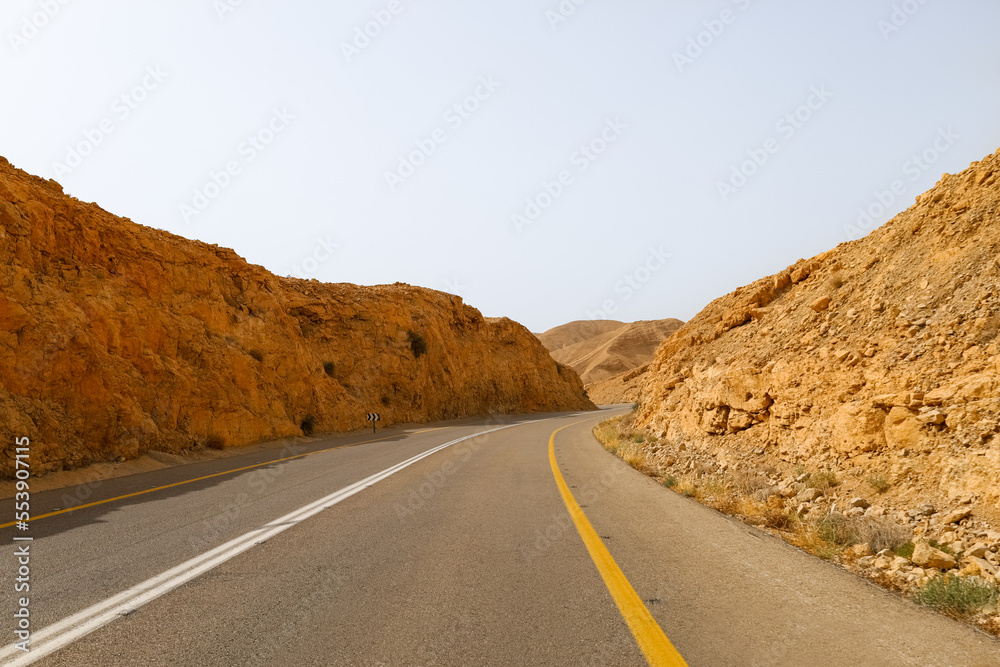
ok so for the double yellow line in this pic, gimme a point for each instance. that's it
(652, 641)
(218, 474)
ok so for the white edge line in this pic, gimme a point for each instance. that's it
(82, 623)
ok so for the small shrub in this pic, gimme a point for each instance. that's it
(308, 424)
(835, 528)
(215, 441)
(822, 480)
(669, 481)
(808, 537)
(638, 439)
(904, 550)
(328, 368)
(878, 482)
(417, 344)
(257, 354)
(957, 596)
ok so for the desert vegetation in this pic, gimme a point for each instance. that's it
(943, 564)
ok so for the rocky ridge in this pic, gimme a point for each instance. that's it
(879, 356)
(116, 339)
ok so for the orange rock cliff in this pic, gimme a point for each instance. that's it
(880, 355)
(117, 338)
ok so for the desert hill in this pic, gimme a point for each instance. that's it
(575, 332)
(877, 360)
(603, 349)
(117, 338)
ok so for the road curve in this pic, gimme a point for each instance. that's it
(467, 556)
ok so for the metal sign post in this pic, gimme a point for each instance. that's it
(374, 417)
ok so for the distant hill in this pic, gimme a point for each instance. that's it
(576, 332)
(601, 349)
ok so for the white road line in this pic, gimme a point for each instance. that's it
(70, 629)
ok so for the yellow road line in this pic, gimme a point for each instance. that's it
(652, 641)
(199, 479)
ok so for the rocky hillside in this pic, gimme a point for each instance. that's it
(610, 356)
(877, 360)
(117, 338)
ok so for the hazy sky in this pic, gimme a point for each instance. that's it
(549, 161)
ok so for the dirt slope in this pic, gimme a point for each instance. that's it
(611, 350)
(575, 332)
(624, 388)
(877, 357)
(117, 338)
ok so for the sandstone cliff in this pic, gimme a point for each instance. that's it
(879, 356)
(117, 338)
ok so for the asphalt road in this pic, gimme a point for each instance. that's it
(467, 556)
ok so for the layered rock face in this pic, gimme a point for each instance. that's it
(881, 353)
(117, 338)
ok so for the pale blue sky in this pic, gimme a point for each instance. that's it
(329, 122)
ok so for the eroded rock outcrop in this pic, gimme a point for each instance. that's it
(881, 354)
(117, 338)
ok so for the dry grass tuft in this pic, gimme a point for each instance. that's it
(747, 484)
(876, 532)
